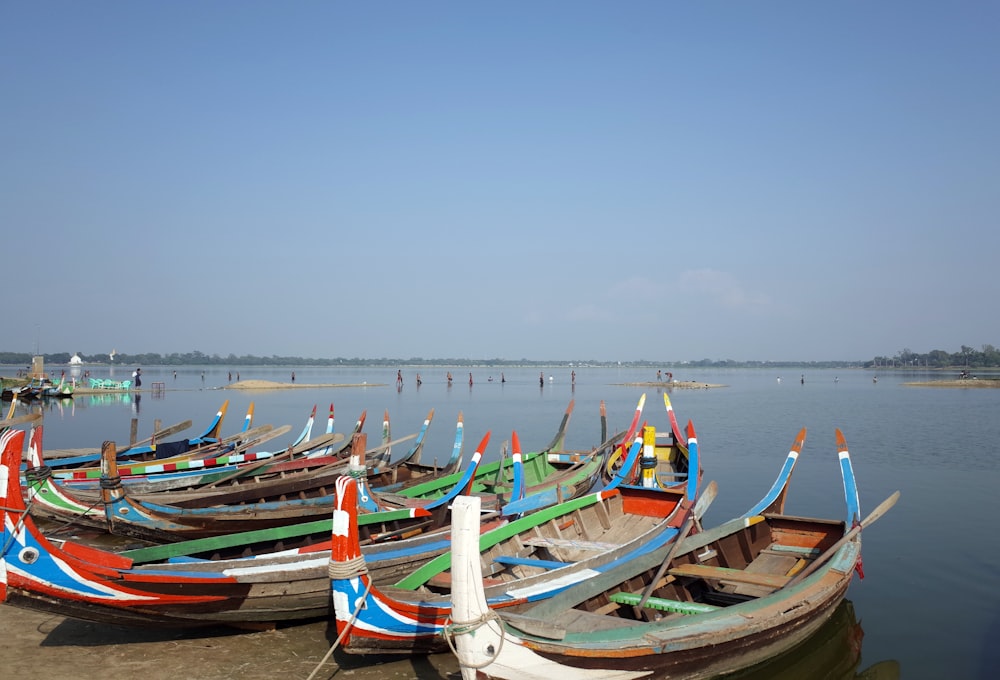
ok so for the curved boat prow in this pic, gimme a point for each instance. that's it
(694, 464)
(413, 455)
(348, 573)
(464, 486)
(774, 500)
(560, 438)
(621, 476)
(455, 461)
(674, 427)
(211, 434)
(517, 486)
(850, 484)
(307, 430)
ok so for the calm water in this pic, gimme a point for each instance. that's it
(929, 600)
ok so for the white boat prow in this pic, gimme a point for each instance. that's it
(480, 641)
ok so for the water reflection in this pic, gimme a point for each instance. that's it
(111, 398)
(832, 653)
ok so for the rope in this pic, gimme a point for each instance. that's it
(73, 520)
(347, 628)
(38, 474)
(467, 627)
(352, 568)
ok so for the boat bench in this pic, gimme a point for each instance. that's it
(552, 542)
(730, 575)
(663, 604)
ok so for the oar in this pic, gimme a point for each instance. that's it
(20, 420)
(291, 452)
(249, 437)
(883, 508)
(256, 441)
(159, 434)
(704, 500)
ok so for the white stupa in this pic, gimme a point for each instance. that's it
(75, 360)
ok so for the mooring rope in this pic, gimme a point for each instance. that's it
(457, 628)
(352, 568)
(38, 475)
(347, 628)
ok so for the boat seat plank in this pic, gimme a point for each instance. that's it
(729, 575)
(551, 542)
(794, 549)
(443, 581)
(767, 562)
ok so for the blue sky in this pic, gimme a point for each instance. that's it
(568, 180)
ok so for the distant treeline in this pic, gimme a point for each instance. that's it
(201, 359)
(967, 357)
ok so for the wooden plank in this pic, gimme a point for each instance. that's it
(533, 626)
(730, 575)
(552, 542)
(767, 562)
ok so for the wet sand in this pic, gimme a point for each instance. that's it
(971, 383)
(674, 385)
(37, 644)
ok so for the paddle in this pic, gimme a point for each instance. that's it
(19, 420)
(694, 515)
(883, 508)
(159, 434)
(247, 437)
(292, 451)
(340, 462)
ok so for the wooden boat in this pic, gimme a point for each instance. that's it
(184, 478)
(162, 590)
(662, 459)
(412, 469)
(153, 450)
(529, 559)
(71, 579)
(39, 388)
(295, 489)
(716, 601)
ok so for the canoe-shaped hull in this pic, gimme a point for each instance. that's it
(723, 599)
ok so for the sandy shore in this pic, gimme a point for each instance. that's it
(974, 383)
(37, 644)
(271, 385)
(676, 384)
